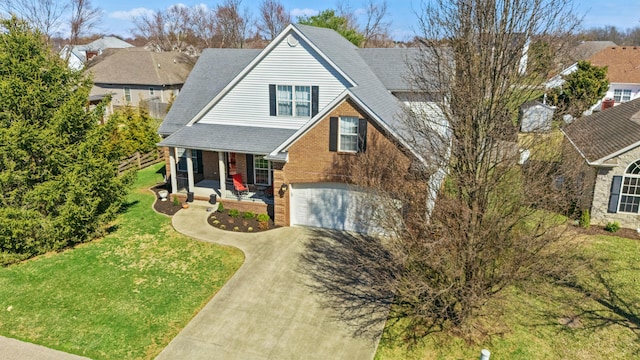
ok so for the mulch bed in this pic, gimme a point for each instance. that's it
(599, 230)
(222, 220)
(164, 207)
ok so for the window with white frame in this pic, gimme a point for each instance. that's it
(261, 170)
(293, 100)
(182, 160)
(348, 137)
(621, 95)
(630, 192)
(127, 94)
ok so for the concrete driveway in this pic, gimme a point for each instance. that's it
(265, 311)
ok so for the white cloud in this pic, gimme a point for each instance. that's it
(297, 12)
(360, 12)
(128, 15)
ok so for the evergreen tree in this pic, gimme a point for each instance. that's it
(58, 178)
(581, 89)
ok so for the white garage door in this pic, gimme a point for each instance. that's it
(329, 205)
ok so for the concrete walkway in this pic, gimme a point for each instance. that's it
(12, 349)
(265, 311)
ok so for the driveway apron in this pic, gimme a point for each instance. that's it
(265, 311)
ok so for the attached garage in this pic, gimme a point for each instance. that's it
(330, 205)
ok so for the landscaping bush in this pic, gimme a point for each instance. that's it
(585, 219)
(176, 202)
(612, 227)
(234, 213)
(220, 207)
(263, 221)
(248, 215)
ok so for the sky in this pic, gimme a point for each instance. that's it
(117, 14)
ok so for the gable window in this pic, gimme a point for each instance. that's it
(347, 134)
(348, 140)
(303, 101)
(127, 94)
(293, 100)
(285, 100)
(630, 192)
(261, 170)
(621, 95)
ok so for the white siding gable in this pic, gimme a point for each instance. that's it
(247, 103)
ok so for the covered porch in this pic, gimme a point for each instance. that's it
(203, 159)
(201, 174)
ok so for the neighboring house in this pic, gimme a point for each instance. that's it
(609, 142)
(134, 75)
(81, 54)
(623, 63)
(583, 51)
(286, 119)
(623, 73)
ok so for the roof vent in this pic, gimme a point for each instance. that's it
(158, 66)
(291, 40)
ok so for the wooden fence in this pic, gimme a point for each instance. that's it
(141, 161)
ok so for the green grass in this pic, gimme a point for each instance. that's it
(121, 297)
(605, 302)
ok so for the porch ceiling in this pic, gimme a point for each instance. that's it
(228, 138)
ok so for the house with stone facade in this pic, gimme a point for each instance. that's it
(286, 119)
(609, 143)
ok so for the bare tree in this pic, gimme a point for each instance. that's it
(233, 23)
(376, 27)
(44, 15)
(203, 25)
(166, 30)
(273, 18)
(493, 219)
(84, 17)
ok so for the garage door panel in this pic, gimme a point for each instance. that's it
(329, 205)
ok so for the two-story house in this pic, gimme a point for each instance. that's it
(134, 75)
(286, 118)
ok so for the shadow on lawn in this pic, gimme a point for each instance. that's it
(353, 272)
(615, 307)
(127, 205)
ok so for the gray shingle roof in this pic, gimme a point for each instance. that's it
(232, 138)
(602, 134)
(105, 42)
(369, 89)
(216, 68)
(391, 65)
(205, 83)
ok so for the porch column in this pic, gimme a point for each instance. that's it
(190, 170)
(173, 170)
(223, 175)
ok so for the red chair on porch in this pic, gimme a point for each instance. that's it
(239, 186)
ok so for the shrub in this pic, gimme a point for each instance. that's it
(234, 213)
(223, 226)
(250, 229)
(235, 228)
(216, 222)
(612, 227)
(248, 215)
(263, 221)
(585, 219)
(220, 207)
(176, 202)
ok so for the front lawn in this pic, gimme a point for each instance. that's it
(121, 297)
(597, 317)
